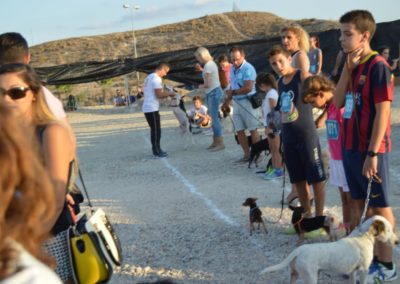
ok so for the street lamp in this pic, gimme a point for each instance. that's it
(131, 9)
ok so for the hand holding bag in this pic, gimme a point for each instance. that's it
(95, 248)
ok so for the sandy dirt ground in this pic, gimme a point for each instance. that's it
(180, 218)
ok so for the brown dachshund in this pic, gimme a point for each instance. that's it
(255, 214)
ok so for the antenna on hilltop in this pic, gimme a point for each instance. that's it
(235, 7)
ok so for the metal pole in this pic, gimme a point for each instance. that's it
(131, 7)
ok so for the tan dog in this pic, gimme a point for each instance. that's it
(347, 256)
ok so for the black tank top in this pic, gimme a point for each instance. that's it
(303, 126)
(65, 218)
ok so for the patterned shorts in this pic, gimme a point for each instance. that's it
(57, 247)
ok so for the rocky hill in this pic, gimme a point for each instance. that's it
(207, 30)
(212, 29)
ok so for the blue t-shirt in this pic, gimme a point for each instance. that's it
(245, 72)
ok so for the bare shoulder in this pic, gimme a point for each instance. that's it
(57, 132)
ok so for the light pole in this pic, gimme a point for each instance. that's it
(131, 9)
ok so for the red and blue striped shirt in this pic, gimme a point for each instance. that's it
(376, 86)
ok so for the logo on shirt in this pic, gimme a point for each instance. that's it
(357, 98)
(362, 79)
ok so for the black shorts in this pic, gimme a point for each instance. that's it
(303, 160)
(353, 162)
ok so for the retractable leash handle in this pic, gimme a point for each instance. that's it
(366, 200)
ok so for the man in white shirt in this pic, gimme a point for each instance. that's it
(153, 91)
(14, 49)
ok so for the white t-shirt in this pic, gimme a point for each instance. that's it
(272, 94)
(192, 112)
(54, 104)
(211, 68)
(31, 271)
(151, 103)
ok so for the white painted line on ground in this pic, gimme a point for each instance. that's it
(218, 213)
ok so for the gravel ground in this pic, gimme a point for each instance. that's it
(180, 218)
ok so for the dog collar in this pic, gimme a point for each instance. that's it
(252, 209)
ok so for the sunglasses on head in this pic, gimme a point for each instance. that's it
(15, 93)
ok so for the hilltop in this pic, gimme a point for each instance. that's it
(210, 29)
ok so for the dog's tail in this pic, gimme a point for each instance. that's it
(283, 264)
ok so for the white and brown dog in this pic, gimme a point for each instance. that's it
(350, 255)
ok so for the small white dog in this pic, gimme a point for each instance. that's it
(347, 256)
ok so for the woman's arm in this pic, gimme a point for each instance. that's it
(58, 152)
(207, 81)
(272, 103)
(303, 63)
(319, 62)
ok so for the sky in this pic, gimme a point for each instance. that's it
(47, 20)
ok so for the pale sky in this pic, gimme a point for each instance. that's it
(46, 20)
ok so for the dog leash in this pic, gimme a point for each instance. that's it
(256, 118)
(366, 200)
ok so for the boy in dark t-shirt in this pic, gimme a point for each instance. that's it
(300, 141)
(365, 89)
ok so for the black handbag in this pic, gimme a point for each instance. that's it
(256, 100)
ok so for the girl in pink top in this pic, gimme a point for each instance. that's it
(318, 91)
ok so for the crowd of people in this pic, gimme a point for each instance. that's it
(355, 99)
(38, 146)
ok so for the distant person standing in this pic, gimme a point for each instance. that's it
(214, 94)
(153, 91)
(295, 41)
(315, 55)
(385, 52)
(243, 79)
(225, 71)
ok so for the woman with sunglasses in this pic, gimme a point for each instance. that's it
(20, 87)
(26, 206)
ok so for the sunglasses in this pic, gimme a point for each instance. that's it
(15, 93)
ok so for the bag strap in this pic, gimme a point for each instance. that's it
(84, 188)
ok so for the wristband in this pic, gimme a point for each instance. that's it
(372, 154)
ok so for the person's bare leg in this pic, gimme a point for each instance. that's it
(255, 137)
(243, 143)
(276, 156)
(304, 196)
(383, 250)
(319, 196)
(292, 194)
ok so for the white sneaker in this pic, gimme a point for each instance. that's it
(378, 273)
